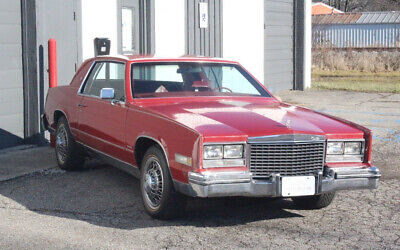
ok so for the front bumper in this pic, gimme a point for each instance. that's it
(220, 184)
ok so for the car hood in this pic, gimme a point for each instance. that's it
(250, 118)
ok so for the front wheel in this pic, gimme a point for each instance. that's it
(160, 199)
(315, 201)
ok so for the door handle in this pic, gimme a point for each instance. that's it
(82, 105)
(116, 102)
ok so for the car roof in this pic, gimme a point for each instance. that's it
(155, 58)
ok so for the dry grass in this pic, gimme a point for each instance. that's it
(362, 61)
(388, 82)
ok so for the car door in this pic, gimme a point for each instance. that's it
(102, 121)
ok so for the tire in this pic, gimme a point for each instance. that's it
(314, 202)
(68, 153)
(160, 200)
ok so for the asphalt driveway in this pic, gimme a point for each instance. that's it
(100, 207)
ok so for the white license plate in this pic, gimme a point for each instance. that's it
(298, 186)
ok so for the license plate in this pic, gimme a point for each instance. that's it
(298, 186)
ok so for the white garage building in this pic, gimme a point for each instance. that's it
(267, 36)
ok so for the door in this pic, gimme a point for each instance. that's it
(11, 75)
(278, 44)
(102, 121)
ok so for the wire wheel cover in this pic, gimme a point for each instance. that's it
(153, 182)
(62, 144)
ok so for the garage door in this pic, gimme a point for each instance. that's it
(278, 35)
(11, 78)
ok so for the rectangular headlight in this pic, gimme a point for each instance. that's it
(345, 151)
(213, 152)
(335, 148)
(352, 148)
(233, 151)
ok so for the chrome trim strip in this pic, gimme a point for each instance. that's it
(287, 138)
(120, 164)
(224, 163)
(90, 70)
(159, 143)
(116, 56)
(102, 140)
(66, 117)
(224, 143)
(86, 76)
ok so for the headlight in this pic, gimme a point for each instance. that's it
(335, 148)
(213, 152)
(231, 155)
(233, 151)
(345, 151)
(352, 148)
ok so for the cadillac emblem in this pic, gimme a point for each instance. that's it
(288, 123)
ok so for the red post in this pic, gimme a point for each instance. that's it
(52, 46)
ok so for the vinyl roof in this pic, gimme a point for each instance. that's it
(358, 18)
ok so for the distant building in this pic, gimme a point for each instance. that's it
(368, 30)
(324, 9)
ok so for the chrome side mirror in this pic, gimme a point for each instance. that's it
(107, 93)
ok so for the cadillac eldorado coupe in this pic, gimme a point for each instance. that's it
(203, 127)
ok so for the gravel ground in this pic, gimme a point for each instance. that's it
(100, 207)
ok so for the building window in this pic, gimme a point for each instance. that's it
(128, 26)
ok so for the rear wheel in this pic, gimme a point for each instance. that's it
(68, 153)
(314, 202)
(160, 199)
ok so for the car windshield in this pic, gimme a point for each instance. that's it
(193, 79)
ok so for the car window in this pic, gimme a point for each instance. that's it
(192, 79)
(232, 80)
(106, 75)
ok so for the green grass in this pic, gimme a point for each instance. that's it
(387, 82)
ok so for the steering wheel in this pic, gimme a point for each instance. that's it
(221, 88)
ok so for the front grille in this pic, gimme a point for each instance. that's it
(293, 159)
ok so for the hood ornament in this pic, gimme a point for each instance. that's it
(288, 123)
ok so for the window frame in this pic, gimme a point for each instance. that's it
(263, 92)
(90, 71)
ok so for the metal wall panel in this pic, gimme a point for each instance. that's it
(204, 42)
(11, 74)
(356, 36)
(56, 19)
(278, 36)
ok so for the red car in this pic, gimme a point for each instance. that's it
(203, 128)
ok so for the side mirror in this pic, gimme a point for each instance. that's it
(107, 93)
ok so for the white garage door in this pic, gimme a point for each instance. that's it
(278, 35)
(11, 79)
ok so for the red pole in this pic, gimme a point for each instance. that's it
(52, 46)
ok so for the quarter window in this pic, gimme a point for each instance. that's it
(106, 75)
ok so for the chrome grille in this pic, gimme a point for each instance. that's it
(290, 159)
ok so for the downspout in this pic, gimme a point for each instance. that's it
(307, 60)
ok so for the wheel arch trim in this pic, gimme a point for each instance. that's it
(158, 143)
(66, 117)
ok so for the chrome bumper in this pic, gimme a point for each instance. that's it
(220, 184)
